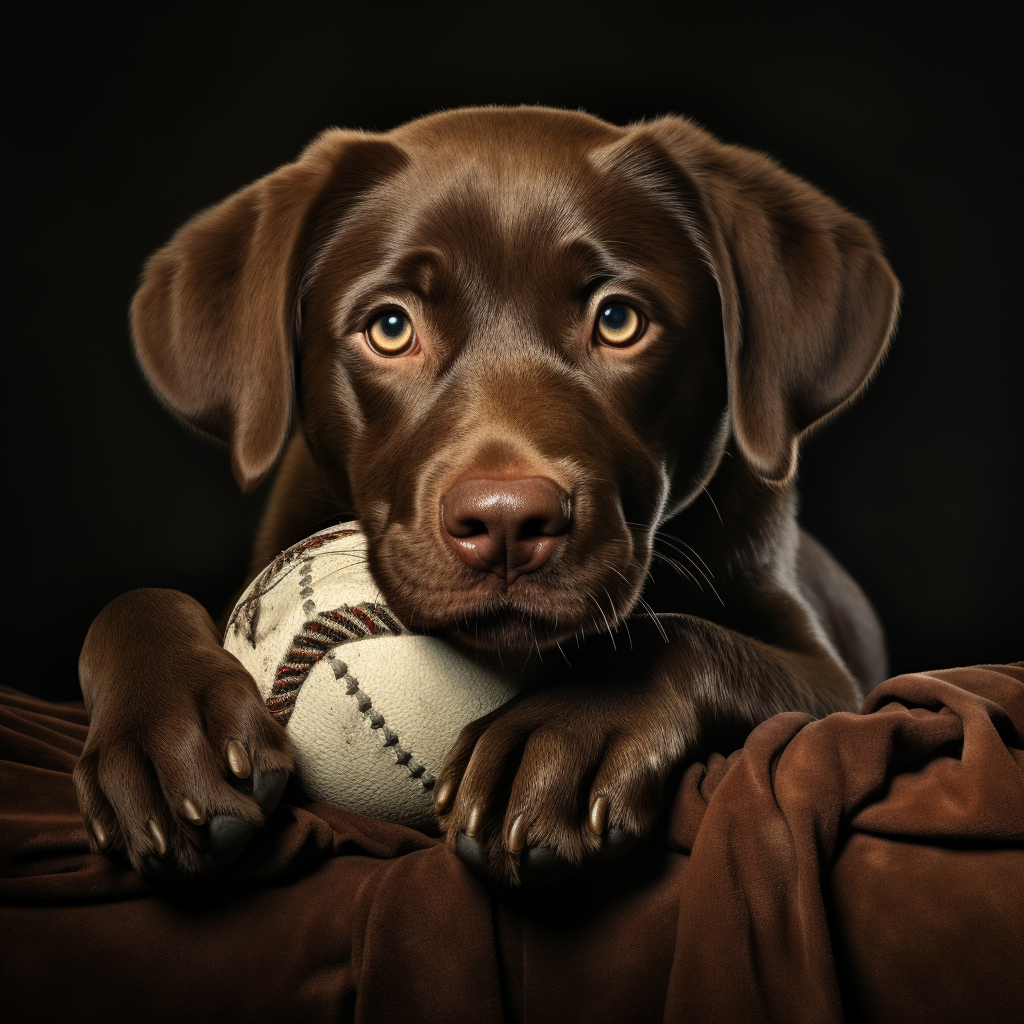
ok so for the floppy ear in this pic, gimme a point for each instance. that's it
(214, 319)
(809, 302)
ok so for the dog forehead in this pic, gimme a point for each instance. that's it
(514, 161)
(500, 185)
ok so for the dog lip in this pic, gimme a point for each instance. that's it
(493, 629)
(505, 609)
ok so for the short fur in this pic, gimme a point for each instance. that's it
(497, 230)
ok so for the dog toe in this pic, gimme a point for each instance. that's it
(541, 868)
(268, 788)
(228, 837)
(617, 843)
(472, 854)
(536, 799)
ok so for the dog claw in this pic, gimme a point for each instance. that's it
(102, 839)
(599, 815)
(238, 760)
(443, 796)
(229, 836)
(158, 837)
(517, 836)
(192, 812)
(475, 821)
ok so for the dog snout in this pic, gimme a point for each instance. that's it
(506, 527)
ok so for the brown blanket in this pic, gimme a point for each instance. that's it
(867, 866)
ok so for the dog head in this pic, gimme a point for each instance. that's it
(516, 341)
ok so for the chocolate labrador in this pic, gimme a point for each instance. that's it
(559, 370)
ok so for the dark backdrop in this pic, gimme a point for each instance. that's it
(125, 126)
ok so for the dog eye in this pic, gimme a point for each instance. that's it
(619, 324)
(391, 334)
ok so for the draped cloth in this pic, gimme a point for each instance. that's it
(862, 867)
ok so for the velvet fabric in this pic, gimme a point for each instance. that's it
(862, 867)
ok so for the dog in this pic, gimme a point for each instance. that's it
(539, 357)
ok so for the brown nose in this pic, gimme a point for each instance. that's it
(508, 527)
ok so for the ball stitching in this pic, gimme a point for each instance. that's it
(389, 738)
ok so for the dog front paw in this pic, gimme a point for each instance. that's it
(184, 796)
(182, 764)
(555, 782)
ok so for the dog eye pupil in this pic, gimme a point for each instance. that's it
(615, 317)
(393, 326)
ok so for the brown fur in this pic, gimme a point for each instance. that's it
(769, 307)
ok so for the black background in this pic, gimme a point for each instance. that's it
(123, 126)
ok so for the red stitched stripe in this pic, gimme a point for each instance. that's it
(336, 627)
(365, 619)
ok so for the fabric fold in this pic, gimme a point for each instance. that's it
(862, 867)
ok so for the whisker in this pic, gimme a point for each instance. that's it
(714, 506)
(621, 577)
(694, 578)
(696, 561)
(681, 569)
(625, 621)
(603, 616)
(669, 537)
(672, 540)
(657, 621)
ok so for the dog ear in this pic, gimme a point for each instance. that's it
(809, 302)
(214, 319)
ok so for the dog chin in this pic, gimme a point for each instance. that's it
(511, 628)
(507, 630)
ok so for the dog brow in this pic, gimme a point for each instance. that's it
(416, 271)
(590, 263)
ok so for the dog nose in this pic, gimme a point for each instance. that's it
(508, 527)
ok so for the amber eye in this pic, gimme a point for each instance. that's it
(619, 324)
(391, 334)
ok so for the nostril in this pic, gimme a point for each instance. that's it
(551, 525)
(509, 526)
(464, 527)
(535, 528)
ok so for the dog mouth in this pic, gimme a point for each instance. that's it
(527, 615)
(515, 628)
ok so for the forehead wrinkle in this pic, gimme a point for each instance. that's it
(416, 271)
(588, 257)
(355, 296)
(519, 187)
(513, 239)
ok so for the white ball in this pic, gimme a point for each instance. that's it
(371, 709)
